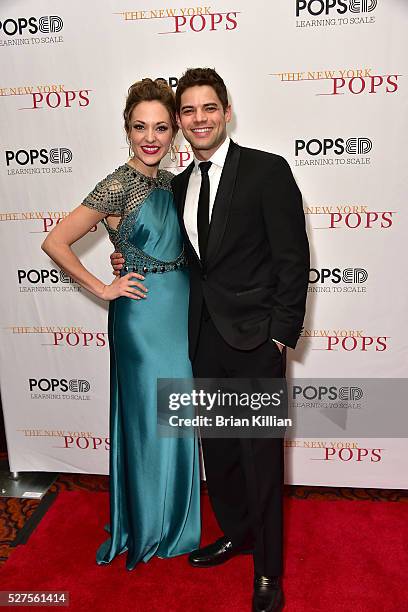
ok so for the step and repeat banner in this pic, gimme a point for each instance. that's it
(321, 82)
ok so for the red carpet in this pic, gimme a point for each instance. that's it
(341, 556)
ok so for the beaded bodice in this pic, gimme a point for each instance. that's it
(148, 234)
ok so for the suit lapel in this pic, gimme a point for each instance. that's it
(222, 202)
(180, 185)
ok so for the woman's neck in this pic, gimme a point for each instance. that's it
(150, 171)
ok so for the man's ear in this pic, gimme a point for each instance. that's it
(228, 113)
(178, 120)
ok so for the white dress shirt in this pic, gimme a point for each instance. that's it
(193, 191)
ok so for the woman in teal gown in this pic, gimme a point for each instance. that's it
(154, 481)
(154, 485)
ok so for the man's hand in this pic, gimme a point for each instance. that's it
(117, 262)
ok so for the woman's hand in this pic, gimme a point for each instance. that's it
(125, 286)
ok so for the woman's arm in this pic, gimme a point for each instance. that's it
(58, 246)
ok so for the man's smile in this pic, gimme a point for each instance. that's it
(201, 131)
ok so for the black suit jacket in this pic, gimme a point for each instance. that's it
(255, 279)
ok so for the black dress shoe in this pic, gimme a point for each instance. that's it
(221, 551)
(268, 594)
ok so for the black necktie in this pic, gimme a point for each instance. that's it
(203, 212)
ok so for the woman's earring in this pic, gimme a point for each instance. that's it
(130, 150)
(172, 153)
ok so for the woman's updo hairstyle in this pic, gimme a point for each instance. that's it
(147, 90)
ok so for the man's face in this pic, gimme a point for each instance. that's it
(203, 120)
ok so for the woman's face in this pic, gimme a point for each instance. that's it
(150, 134)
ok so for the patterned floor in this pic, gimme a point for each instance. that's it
(15, 514)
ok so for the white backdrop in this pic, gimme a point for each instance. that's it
(321, 83)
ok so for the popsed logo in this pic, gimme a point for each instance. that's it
(316, 8)
(38, 161)
(59, 389)
(324, 393)
(20, 31)
(59, 384)
(24, 157)
(336, 275)
(21, 26)
(34, 276)
(336, 280)
(333, 151)
(336, 146)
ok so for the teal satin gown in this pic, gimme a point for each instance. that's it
(154, 481)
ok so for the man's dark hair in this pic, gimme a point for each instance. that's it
(201, 76)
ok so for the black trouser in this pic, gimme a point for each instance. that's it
(244, 476)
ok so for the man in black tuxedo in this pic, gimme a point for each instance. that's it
(242, 217)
